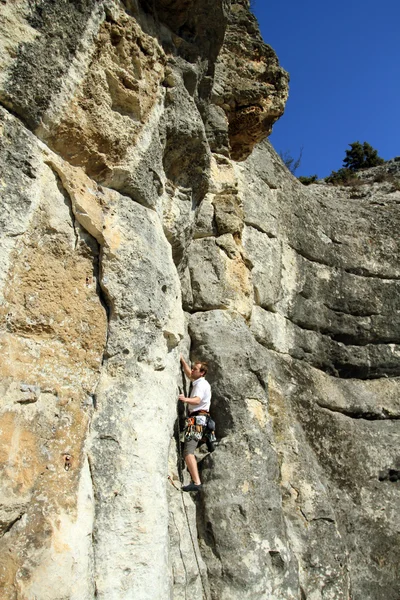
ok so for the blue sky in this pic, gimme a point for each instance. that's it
(343, 58)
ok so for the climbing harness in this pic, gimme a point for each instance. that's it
(200, 426)
(195, 426)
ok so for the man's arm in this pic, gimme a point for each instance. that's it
(186, 369)
(193, 401)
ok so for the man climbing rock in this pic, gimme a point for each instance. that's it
(199, 406)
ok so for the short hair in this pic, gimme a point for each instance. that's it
(203, 366)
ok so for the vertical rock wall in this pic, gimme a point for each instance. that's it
(142, 216)
(53, 336)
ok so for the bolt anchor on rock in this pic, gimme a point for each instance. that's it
(67, 462)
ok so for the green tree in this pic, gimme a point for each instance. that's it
(361, 156)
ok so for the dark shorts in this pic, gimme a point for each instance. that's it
(190, 446)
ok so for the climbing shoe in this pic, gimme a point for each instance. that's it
(192, 487)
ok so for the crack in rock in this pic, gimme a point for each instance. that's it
(384, 415)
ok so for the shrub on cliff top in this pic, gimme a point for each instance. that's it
(308, 180)
(361, 156)
(343, 177)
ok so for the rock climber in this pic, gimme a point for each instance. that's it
(199, 406)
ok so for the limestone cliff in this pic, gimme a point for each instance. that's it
(144, 214)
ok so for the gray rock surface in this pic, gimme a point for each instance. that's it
(143, 217)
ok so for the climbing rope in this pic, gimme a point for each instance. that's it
(180, 459)
(194, 548)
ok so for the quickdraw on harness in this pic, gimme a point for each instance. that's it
(200, 426)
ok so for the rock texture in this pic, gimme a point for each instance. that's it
(143, 216)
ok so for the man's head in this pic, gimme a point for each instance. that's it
(199, 369)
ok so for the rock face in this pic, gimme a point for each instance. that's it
(143, 216)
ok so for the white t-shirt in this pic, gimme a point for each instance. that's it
(202, 389)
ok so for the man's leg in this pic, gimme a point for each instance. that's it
(191, 463)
